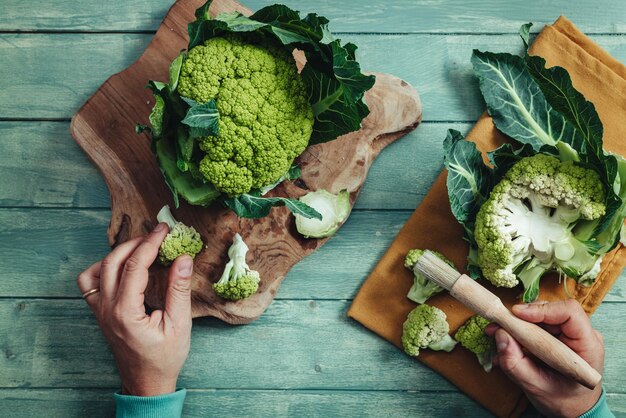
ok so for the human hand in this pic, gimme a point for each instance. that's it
(149, 350)
(550, 392)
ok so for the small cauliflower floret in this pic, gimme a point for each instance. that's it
(527, 226)
(238, 281)
(426, 327)
(472, 336)
(266, 119)
(422, 288)
(181, 239)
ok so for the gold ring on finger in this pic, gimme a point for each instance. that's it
(90, 292)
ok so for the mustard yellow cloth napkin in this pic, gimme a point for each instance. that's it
(381, 304)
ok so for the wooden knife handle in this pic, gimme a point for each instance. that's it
(535, 339)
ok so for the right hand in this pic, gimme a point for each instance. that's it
(550, 392)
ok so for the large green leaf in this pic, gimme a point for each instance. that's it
(559, 92)
(202, 118)
(469, 179)
(557, 87)
(175, 68)
(156, 116)
(517, 104)
(505, 156)
(250, 206)
(332, 75)
(184, 148)
(182, 183)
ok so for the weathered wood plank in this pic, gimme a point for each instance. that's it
(57, 73)
(27, 403)
(293, 346)
(76, 64)
(257, 403)
(58, 244)
(604, 16)
(41, 166)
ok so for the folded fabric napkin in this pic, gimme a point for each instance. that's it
(381, 304)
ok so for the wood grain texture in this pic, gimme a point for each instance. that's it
(41, 166)
(67, 403)
(296, 344)
(59, 244)
(76, 64)
(253, 403)
(54, 73)
(37, 158)
(103, 128)
(415, 16)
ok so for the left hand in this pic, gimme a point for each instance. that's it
(149, 350)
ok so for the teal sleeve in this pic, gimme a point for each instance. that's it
(599, 410)
(162, 406)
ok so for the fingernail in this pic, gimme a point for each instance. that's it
(502, 341)
(185, 267)
(160, 227)
(521, 306)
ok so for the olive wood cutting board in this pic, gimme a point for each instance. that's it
(104, 129)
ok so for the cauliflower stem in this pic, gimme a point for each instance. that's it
(238, 281)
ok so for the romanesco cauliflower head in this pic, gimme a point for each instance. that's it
(238, 281)
(422, 288)
(525, 227)
(266, 119)
(472, 336)
(426, 327)
(181, 239)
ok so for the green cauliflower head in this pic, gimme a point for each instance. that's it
(472, 336)
(266, 119)
(426, 327)
(527, 225)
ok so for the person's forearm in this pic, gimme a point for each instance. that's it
(162, 406)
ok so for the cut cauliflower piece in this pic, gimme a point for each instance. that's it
(527, 225)
(238, 281)
(426, 327)
(181, 239)
(422, 288)
(472, 336)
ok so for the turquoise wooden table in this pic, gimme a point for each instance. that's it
(303, 357)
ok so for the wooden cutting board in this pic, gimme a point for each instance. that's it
(104, 129)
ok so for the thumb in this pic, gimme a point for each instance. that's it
(515, 364)
(178, 296)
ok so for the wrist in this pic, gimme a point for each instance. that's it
(599, 409)
(148, 389)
